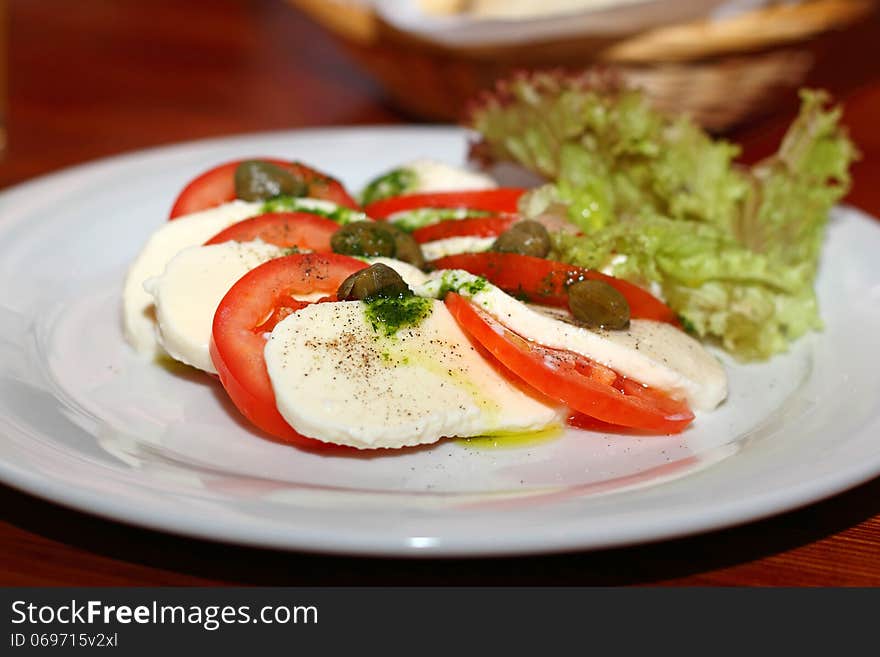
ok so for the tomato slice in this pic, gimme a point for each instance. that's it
(321, 185)
(502, 199)
(285, 229)
(546, 281)
(581, 384)
(211, 188)
(471, 227)
(251, 307)
(217, 186)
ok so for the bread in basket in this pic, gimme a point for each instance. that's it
(720, 70)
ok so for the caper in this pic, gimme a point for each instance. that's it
(526, 238)
(598, 305)
(364, 238)
(405, 247)
(376, 281)
(256, 180)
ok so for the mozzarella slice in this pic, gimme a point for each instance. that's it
(653, 353)
(317, 205)
(323, 208)
(456, 245)
(336, 378)
(435, 176)
(173, 236)
(188, 292)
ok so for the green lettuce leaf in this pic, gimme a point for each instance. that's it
(733, 250)
(722, 290)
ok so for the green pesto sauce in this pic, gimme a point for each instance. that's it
(393, 183)
(687, 325)
(451, 282)
(340, 214)
(389, 315)
(410, 220)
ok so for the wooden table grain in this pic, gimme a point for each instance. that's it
(98, 77)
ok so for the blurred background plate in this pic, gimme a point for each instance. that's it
(721, 62)
(481, 23)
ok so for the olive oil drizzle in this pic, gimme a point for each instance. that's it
(511, 440)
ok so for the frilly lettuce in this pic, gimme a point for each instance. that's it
(733, 249)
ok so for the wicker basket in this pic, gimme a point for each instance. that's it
(721, 72)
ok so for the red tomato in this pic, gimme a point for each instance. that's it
(217, 186)
(581, 384)
(321, 185)
(472, 227)
(284, 229)
(251, 307)
(546, 281)
(588, 423)
(502, 199)
(210, 189)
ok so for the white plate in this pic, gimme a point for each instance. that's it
(87, 424)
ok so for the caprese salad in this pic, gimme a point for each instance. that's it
(425, 307)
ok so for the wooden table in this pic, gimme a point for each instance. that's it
(112, 75)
